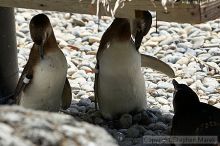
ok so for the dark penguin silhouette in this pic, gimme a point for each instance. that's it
(43, 84)
(192, 117)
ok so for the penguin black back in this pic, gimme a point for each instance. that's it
(193, 117)
(183, 97)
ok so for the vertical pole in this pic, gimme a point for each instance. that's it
(8, 54)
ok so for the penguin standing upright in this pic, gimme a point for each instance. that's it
(43, 84)
(192, 117)
(119, 82)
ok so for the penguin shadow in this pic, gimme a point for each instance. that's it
(149, 122)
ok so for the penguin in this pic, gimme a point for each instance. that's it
(43, 84)
(119, 82)
(192, 117)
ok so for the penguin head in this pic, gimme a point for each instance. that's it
(120, 29)
(184, 97)
(40, 30)
(140, 26)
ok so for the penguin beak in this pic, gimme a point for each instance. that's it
(175, 84)
(41, 51)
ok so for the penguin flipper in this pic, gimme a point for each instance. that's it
(24, 80)
(154, 63)
(66, 95)
(96, 86)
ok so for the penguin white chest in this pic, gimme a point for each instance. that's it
(46, 87)
(121, 83)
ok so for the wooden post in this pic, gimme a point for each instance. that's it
(8, 54)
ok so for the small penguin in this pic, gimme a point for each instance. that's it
(192, 117)
(119, 82)
(43, 84)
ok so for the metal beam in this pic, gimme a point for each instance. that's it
(8, 54)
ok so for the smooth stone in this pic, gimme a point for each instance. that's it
(126, 142)
(171, 58)
(157, 38)
(87, 87)
(209, 89)
(124, 131)
(6, 128)
(137, 118)
(81, 108)
(73, 110)
(141, 129)
(162, 100)
(63, 43)
(183, 60)
(71, 70)
(93, 39)
(149, 132)
(150, 84)
(133, 132)
(194, 33)
(165, 33)
(204, 57)
(151, 43)
(205, 27)
(181, 50)
(191, 52)
(147, 117)
(184, 45)
(200, 75)
(75, 86)
(80, 80)
(98, 120)
(87, 69)
(78, 22)
(151, 100)
(85, 48)
(167, 41)
(195, 65)
(20, 19)
(119, 136)
(84, 102)
(164, 85)
(204, 101)
(197, 42)
(67, 16)
(163, 28)
(165, 108)
(199, 51)
(84, 34)
(167, 118)
(20, 34)
(212, 101)
(207, 82)
(204, 97)
(214, 51)
(157, 126)
(217, 105)
(215, 59)
(125, 121)
(215, 41)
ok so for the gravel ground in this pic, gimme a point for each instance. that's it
(191, 50)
